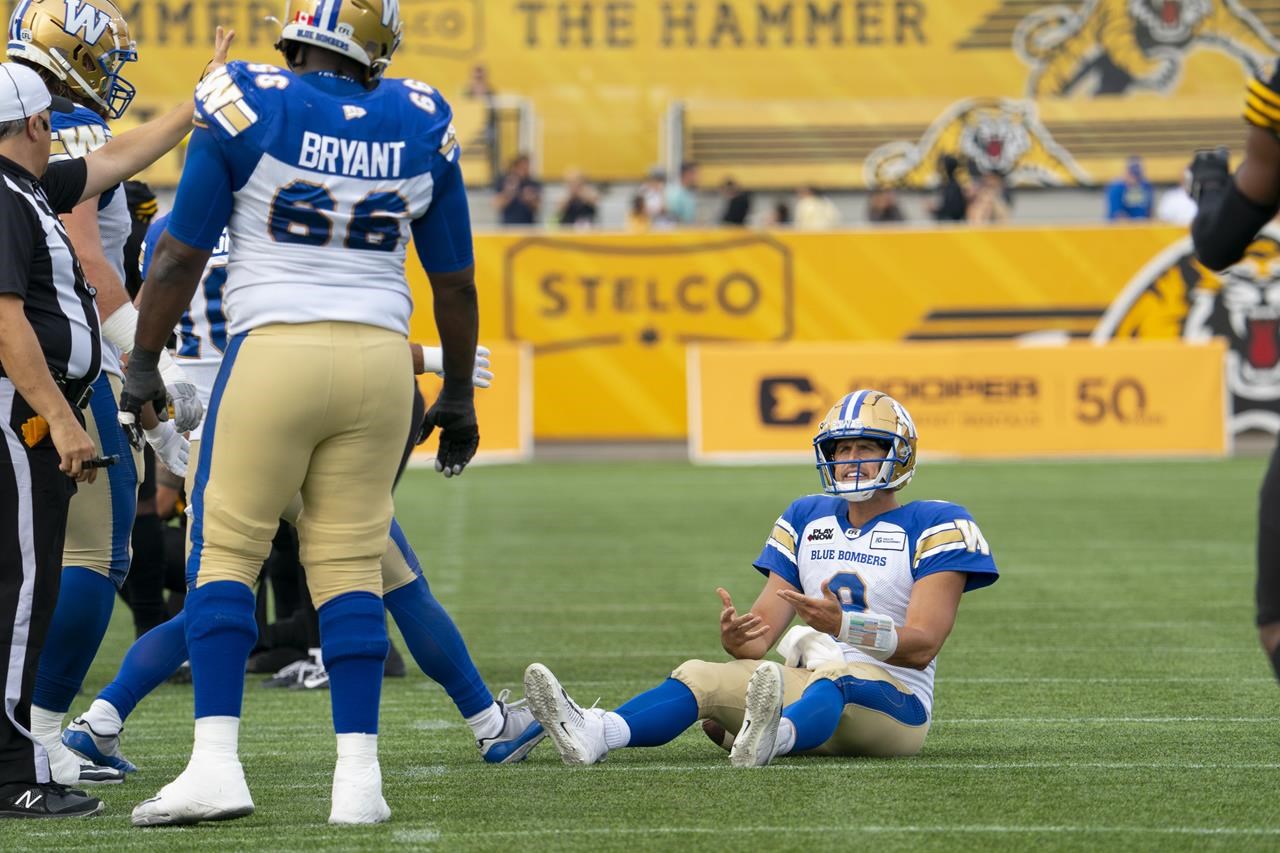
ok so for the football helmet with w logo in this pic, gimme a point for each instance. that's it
(867, 415)
(367, 31)
(84, 43)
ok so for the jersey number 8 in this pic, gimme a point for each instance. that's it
(302, 213)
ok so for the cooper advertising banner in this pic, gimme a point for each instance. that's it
(602, 74)
(761, 402)
(504, 410)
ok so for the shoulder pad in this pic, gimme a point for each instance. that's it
(437, 115)
(77, 134)
(239, 96)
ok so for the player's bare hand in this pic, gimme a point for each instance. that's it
(738, 630)
(222, 39)
(74, 449)
(821, 614)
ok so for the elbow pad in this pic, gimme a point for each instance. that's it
(1225, 226)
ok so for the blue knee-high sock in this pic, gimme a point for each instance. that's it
(433, 639)
(816, 714)
(79, 623)
(659, 715)
(353, 638)
(221, 632)
(150, 660)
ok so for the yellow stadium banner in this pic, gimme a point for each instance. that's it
(504, 410)
(602, 75)
(762, 402)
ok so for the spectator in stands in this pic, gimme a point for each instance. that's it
(779, 216)
(681, 198)
(579, 209)
(638, 215)
(814, 211)
(882, 206)
(1131, 196)
(952, 203)
(518, 196)
(990, 203)
(737, 203)
(654, 193)
(479, 87)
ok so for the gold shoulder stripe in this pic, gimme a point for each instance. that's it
(783, 538)
(1263, 91)
(1267, 108)
(943, 537)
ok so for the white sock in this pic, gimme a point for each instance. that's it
(217, 738)
(46, 725)
(358, 749)
(103, 718)
(786, 737)
(617, 733)
(488, 723)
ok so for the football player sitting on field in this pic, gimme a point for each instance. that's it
(878, 584)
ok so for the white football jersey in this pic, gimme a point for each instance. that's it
(327, 182)
(78, 134)
(874, 568)
(201, 332)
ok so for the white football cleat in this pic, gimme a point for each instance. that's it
(520, 733)
(357, 793)
(204, 791)
(757, 740)
(577, 733)
(103, 750)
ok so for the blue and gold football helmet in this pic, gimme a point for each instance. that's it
(367, 31)
(84, 43)
(873, 415)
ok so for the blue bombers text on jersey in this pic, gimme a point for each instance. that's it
(874, 567)
(320, 182)
(78, 134)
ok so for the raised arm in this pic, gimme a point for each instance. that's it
(750, 635)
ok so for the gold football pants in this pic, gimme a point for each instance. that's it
(315, 410)
(721, 690)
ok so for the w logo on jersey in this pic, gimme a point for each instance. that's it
(85, 21)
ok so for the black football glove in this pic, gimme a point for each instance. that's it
(1209, 172)
(143, 384)
(459, 432)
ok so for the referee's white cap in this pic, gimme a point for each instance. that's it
(23, 94)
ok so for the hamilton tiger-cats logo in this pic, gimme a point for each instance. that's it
(1174, 296)
(1115, 47)
(998, 135)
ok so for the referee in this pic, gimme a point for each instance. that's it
(50, 354)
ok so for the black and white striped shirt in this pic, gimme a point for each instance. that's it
(38, 264)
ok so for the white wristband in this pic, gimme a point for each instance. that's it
(121, 327)
(869, 632)
(432, 359)
(169, 369)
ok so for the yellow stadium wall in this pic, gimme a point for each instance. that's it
(602, 73)
(609, 317)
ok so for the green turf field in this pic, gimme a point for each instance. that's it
(1108, 692)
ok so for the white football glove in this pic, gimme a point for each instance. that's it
(805, 647)
(170, 446)
(188, 411)
(433, 362)
(872, 633)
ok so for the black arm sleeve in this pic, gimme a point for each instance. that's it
(1226, 224)
(17, 243)
(64, 182)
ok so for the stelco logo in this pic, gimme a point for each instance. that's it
(563, 294)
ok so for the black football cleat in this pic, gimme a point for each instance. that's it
(30, 800)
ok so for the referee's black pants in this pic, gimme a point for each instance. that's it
(34, 495)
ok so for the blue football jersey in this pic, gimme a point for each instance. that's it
(874, 567)
(324, 183)
(78, 134)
